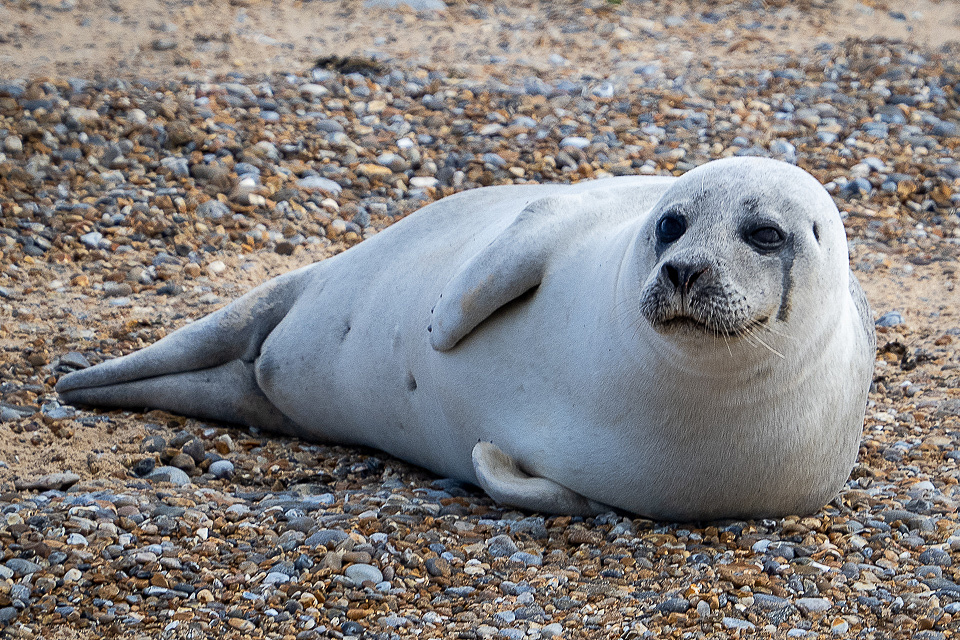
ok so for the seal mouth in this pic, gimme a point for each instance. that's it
(690, 324)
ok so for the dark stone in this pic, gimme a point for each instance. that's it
(143, 467)
(153, 444)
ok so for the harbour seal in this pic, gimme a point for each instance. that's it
(680, 348)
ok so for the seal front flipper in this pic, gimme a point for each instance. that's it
(507, 268)
(499, 475)
(205, 369)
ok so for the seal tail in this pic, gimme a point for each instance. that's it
(205, 369)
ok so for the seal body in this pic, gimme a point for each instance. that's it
(681, 348)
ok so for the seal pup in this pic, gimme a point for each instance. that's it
(681, 348)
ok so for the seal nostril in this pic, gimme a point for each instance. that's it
(693, 276)
(672, 275)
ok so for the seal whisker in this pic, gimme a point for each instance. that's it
(753, 334)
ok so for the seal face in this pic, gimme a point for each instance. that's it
(688, 348)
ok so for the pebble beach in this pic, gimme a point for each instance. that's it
(158, 161)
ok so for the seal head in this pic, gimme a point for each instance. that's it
(729, 250)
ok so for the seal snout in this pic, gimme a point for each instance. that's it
(683, 276)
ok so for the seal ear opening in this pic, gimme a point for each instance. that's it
(502, 478)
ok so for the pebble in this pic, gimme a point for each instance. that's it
(361, 573)
(213, 210)
(222, 469)
(169, 474)
(21, 567)
(501, 546)
(812, 605)
(49, 482)
(890, 319)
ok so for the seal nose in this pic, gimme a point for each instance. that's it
(683, 276)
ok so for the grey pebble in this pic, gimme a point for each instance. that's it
(21, 567)
(501, 546)
(738, 624)
(504, 617)
(325, 537)
(890, 319)
(674, 605)
(393, 621)
(769, 602)
(7, 615)
(213, 210)
(222, 469)
(153, 444)
(77, 540)
(74, 360)
(317, 183)
(529, 559)
(170, 474)
(937, 557)
(20, 592)
(361, 573)
(194, 449)
(812, 605)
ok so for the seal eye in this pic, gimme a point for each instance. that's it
(670, 228)
(766, 238)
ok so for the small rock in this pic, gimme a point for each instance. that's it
(438, 567)
(194, 449)
(153, 444)
(675, 605)
(528, 559)
(812, 605)
(213, 210)
(74, 360)
(21, 567)
(77, 540)
(169, 474)
(890, 319)
(49, 482)
(183, 461)
(937, 557)
(738, 624)
(13, 144)
(325, 537)
(316, 183)
(143, 467)
(361, 573)
(163, 44)
(577, 142)
(222, 469)
(501, 546)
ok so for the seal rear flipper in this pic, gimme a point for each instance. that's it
(228, 393)
(499, 475)
(507, 268)
(234, 332)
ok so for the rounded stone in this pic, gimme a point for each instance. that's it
(361, 573)
(169, 474)
(222, 469)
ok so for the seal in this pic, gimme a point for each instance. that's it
(680, 348)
